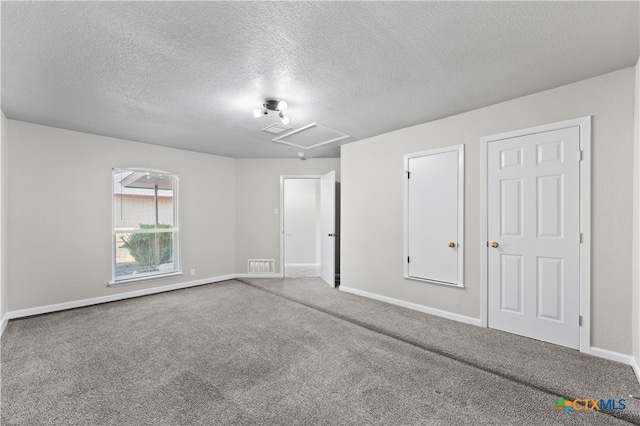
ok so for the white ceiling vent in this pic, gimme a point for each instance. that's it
(276, 128)
(311, 136)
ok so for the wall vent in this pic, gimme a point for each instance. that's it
(261, 266)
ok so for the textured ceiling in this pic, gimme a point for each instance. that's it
(188, 74)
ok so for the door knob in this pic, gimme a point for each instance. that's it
(452, 244)
(494, 244)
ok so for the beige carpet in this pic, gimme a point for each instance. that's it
(286, 352)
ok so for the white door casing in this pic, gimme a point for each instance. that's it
(535, 283)
(328, 235)
(434, 215)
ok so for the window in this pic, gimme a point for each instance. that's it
(145, 225)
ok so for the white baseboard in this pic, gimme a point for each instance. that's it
(121, 296)
(257, 276)
(112, 298)
(3, 323)
(618, 357)
(636, 368)
(610, 355)
(414, 306)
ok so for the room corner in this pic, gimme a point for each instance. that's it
(3, 222)
(635, 329)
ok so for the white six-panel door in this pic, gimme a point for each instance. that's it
(533, 230)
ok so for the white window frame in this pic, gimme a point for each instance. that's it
(176, 271)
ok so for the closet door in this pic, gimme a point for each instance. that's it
(533, 229)
(434, 215)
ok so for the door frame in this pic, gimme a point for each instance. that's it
(282, 179)
(584, 125)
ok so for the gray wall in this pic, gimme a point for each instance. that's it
(636, 222)
(60, 213)
(257, 194)
(372, 203)
(4, 172)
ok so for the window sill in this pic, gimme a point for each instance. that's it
(147, 278)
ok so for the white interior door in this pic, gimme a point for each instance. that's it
(533, 208)
(328, 223)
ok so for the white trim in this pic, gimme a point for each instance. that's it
(585, 228)
(112, 298)
(258, 276)
(484, 239)
(144, 231)
(136, 280)
(584, 124)
(617, 357)
(459, 149)
(636, 368)
(3, 323)
(421, 308)
(611, 355)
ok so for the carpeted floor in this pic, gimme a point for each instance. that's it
(275, 351)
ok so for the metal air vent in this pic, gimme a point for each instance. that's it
(276, 128)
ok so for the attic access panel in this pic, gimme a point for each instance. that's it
(311, 136)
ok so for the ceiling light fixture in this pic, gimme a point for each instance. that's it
(283, 118)
(272, 104)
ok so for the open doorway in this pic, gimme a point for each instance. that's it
(301, 215)
(309, 240)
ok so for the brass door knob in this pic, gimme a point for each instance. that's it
(452, 244)
(494, 244)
